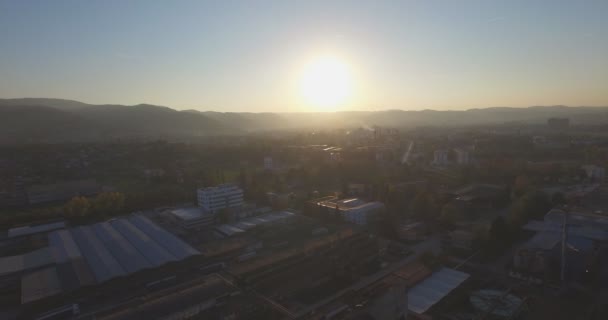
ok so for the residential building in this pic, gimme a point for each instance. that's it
(440, 157)
(224, 196)
(268, 165)
(462, 156)
(595, 173)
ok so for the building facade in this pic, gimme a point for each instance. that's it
(462, 156)
(224, 196)
(440, 157)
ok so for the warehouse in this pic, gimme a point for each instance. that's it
(93, 254)
(228, 230)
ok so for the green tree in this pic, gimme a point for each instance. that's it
(108, 203)
(558, 198)
(77, 207)
(532, 205)
(223, 215)
(451, 213)
(424, 206)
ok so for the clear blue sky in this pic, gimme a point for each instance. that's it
(245, 55)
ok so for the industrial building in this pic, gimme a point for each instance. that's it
(31, 230)
(583, 245)
(353, 209)
(228, 230)
(192, 218)
(440, 158)
(462, 156)
(220, 197)
(431, 290)
(93, 254)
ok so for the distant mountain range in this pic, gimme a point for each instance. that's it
(57, 120)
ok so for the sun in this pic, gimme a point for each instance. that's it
(326, 83)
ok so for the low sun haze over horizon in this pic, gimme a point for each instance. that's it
(293, 56)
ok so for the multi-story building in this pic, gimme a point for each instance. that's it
(440, 157)
(220, 197)
(268, 163)
(192, 218)
(595, 173)
(462, 156)
(353, 210)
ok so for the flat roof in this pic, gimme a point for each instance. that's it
(40, 284)
(348, 204)
(192, 213)
(434, 288)
(29, 230)
(26, 261)
(252, 222)
(543, 240)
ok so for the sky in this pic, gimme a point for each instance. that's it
(250, 55)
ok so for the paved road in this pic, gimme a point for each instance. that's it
(432, 244)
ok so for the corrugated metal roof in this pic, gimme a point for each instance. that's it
(434, 288)
(173, 244)
(98, 257)
(152, 251)
(544, 240)
(63, 246)
(124, 252)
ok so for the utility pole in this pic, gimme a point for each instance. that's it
(564, 244)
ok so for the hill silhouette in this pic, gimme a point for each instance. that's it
(58, 120)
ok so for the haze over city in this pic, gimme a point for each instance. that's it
(303, 160)
(284, 56)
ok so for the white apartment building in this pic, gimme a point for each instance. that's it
(268, 165)
(462, 156)
(440, 157)
(220, 197)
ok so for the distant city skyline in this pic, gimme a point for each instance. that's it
(272, 56)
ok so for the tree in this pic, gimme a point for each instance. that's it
(108, 203)
(223, 215)
(532, 205)
(558, 198)
(499, 231)
(423, 206)
(451, 213)
(521, 185)
(77, 207)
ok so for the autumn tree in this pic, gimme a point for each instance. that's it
(77, 207)
(108, 203)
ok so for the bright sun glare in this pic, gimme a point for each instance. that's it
(326, 83)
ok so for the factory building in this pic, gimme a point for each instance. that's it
(353, 209)
(93, 254)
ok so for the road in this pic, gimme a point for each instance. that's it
(432, 244)
(406, 155)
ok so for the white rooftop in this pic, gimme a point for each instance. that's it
(192, 213)
(434, 288)
(29, 230)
